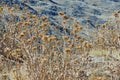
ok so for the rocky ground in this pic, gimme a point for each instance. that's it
(83, 10)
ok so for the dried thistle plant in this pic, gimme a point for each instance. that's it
(28, 52)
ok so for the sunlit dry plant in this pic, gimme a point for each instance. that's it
(76, 25)
(33, 37)
(28, 41)
(4, 76)
(33, 16)
(1, 9)
(116, 14)
(61, 13)
(80, 27)
(33, 49)
(65, 17)
(6, 50)
(65, 37)
(21, 34)
(71, 19)
(67, 50)
(25, 23)
(44, 17)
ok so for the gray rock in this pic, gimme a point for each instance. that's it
(85, 11)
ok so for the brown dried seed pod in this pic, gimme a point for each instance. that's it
(76, 25)
(61, 13)
(80, 27)
(34, 48)
(71, 18)
(33, 16)
(116, 14)
(33, 37)
(67, 50)
(74, 31)
(4, 76)
(22, 34)
(6, 50)
(44, 17)
(26, 23)
(28, 41)
(65, 17)
(65, 37)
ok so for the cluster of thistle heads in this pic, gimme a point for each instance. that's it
(27, 41)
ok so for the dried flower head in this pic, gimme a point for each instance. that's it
(103, 26)
(68, 26)
(33, 16)
(63, 22)
(61, 13)
(65, 37)
(84, 43)
(1, 9)
(67, 50)
(27, 13)
(80, 27)
(44, 17)
(26, 23)
(14, 70)
(19, 23)
(10, 15)
(22, 34)
(116, 14)
(6, 50)
(41, 35)
(45, 38)
(79, 37)
(4, 76)
(71, 45)
(71, 18)
(9, 8)
(17, 50)
(34, 48)
(44, 24)
(74, 31)
(53, 37)
(65, 17)
(28, 41)
(76, 25)
(13, 54)
(88, 45)
(43, 60)
(33, 37)
(78, 47)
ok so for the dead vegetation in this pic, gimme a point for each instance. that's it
(28, 52)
